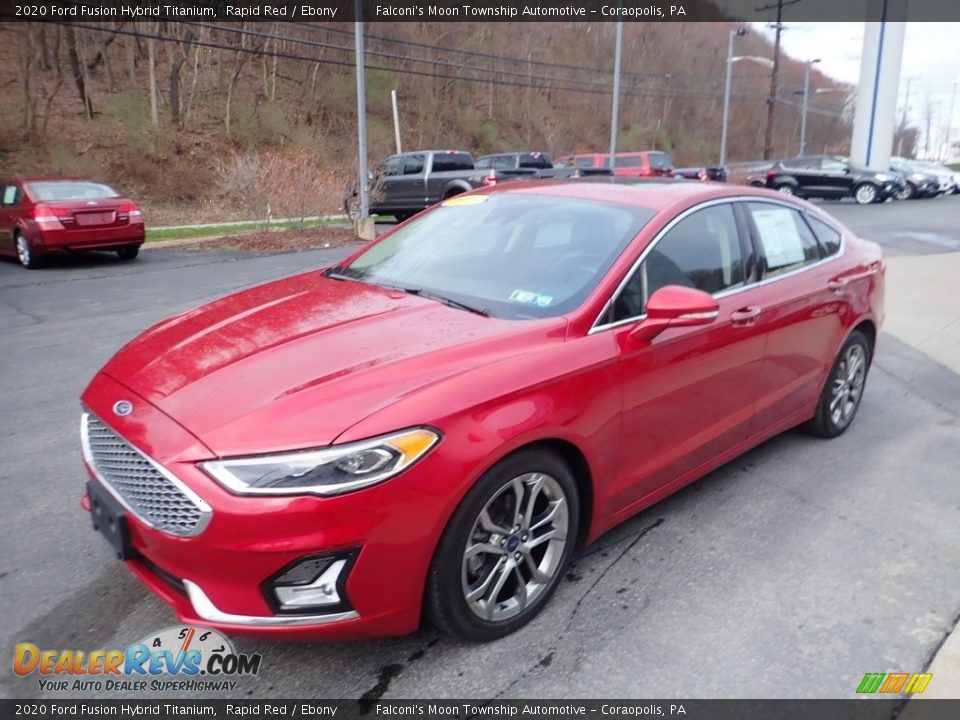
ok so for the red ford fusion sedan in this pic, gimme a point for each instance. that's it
(434, 425)
(41, 216)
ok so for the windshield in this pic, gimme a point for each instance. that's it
(53, 190)
(510, 255)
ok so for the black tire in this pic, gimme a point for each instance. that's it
(866, 193)
(908, 192)
(825, 422)
(25, 253)
(129, 252)
(446, 602)
(401, 216)
(785, 189)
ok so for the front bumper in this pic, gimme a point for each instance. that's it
(217, 578)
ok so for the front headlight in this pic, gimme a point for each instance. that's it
(328, 471)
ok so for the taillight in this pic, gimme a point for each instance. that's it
(47, 216)
(131, 211)
(703, 175)
(490, 179)
(772, 172)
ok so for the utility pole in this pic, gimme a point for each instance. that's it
(772, 100)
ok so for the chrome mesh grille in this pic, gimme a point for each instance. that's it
(145, 490)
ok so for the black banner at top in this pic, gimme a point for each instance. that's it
(93, 11)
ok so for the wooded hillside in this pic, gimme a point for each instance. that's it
(206, 122)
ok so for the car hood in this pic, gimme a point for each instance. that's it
(293, 363)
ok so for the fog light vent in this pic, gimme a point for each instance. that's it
(311, 584)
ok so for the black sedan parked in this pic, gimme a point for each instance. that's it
(920, 182)
(831, 176)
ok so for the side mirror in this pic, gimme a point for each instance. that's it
(675, 306)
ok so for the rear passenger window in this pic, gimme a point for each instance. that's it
(10, 195)
(787, 242)
(828, 237)
(445, 162)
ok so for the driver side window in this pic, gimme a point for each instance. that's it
(702, 251)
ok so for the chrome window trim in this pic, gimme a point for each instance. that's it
(597, 327)
(206, 610)
(206, 512)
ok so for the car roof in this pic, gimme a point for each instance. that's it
(651, 194)
(51, 178)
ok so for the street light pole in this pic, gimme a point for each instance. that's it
(615, 110)
(953, 100)
(726, 95)
(806, 96)
(363, 181)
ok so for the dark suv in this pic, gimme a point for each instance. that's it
(831, 176)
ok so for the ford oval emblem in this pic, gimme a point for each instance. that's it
(123, 407)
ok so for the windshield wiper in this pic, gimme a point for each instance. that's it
(420, 292)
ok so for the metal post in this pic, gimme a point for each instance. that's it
(396, 120)
(803, 116)
(364, 182)
(615, 112)
(726, 101)
(806, 100)
(953, 101)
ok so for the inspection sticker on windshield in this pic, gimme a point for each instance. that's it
(467, 200)
(531, 298)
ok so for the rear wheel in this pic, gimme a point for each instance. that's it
(786, 189)
(505, 549)
(25, 253)
(844, 388)
(129, 252)
(865, 193)
(401, 216)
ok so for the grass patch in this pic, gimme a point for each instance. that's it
(154, 234)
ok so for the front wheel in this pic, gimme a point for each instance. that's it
(907, 192)
(865, 194)
(505, 548)
(844, 388)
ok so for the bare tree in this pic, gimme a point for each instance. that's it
(78, 69)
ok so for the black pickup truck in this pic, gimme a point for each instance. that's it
(404, 184)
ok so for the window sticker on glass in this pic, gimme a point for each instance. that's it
(531, 298)
(464, 200)
(781, 240)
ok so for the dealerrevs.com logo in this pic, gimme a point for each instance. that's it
(178, 658)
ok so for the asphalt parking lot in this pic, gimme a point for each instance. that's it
(790, 572)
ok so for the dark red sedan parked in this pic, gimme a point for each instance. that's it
(41, 216)
(440, 420)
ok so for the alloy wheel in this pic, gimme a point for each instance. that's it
(866, 194)
(785, 189)
(847, 389)
(24, 253)
(516, 547)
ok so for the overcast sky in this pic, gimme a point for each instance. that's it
(931, 56)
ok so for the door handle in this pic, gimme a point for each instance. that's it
(745, 316)
(836, 286)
